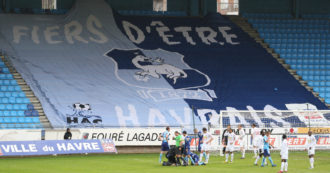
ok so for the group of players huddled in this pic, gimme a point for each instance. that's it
(182, 147)
(260, 142)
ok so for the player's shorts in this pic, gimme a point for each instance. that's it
(230, 148)
(205, 147)
(186, 151)
(266, 152)
(242, 143)
(285, 156)
(178, 150)
(165, 146)
(311, 151)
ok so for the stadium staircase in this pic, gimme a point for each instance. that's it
(19, 107)
(312, 73)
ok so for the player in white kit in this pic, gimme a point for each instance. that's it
(230, 146)
(284, 155)
(260, 143)
(311, 142)
(207, 139)
(255, 132)
(241, 140)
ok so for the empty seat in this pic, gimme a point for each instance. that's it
(35, 120)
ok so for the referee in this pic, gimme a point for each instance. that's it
(179, 142)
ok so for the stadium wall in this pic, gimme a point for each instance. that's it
(191, 7)
(285, 6)
(315, 6)
(11, 4)
(23, 4)
(132, 5)
(65, 4)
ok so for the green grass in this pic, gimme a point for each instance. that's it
(145, 163)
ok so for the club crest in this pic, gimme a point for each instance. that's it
(156, 69)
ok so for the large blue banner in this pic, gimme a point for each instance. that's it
(95, 68)
(52, 147)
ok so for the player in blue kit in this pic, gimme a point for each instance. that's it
(266, 150)
(195, 159)
(200, 138)
(186, 148)
(164, 137)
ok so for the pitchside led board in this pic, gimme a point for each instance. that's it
(54, 147)
(95, 68)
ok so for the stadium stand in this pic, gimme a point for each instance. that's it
(92, 67)
(16, 110)
(304, 44)
(151, 13)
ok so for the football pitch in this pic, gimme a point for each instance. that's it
(145, 163)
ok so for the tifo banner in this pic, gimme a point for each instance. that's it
(52, 147)
(95, 68)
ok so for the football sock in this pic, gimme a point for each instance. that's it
(207, 157)
(178, 160)
(255, 152)
(311, 160)
(160, 157)
(270, 159)
(200, 156)
(243, 153)
(263, 161)
(227, 155)
(204, 154)
(282, 166)
(286, 166)
(186, 159)
(257, 159)
(232, 157)
(192, 160)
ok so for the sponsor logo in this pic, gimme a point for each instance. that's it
(323, 140)
(272, 141)
(194, 142)
(321, 130)
(85, 135)
(295, 140)
(82, 116)
(108, 146)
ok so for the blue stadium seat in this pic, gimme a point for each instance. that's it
(20, 113)
(28, 120)
(21, 120)
(6, 120)
(11, 126)
(18, 126)
(3, 126)
(304, 44)
(35, 120)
